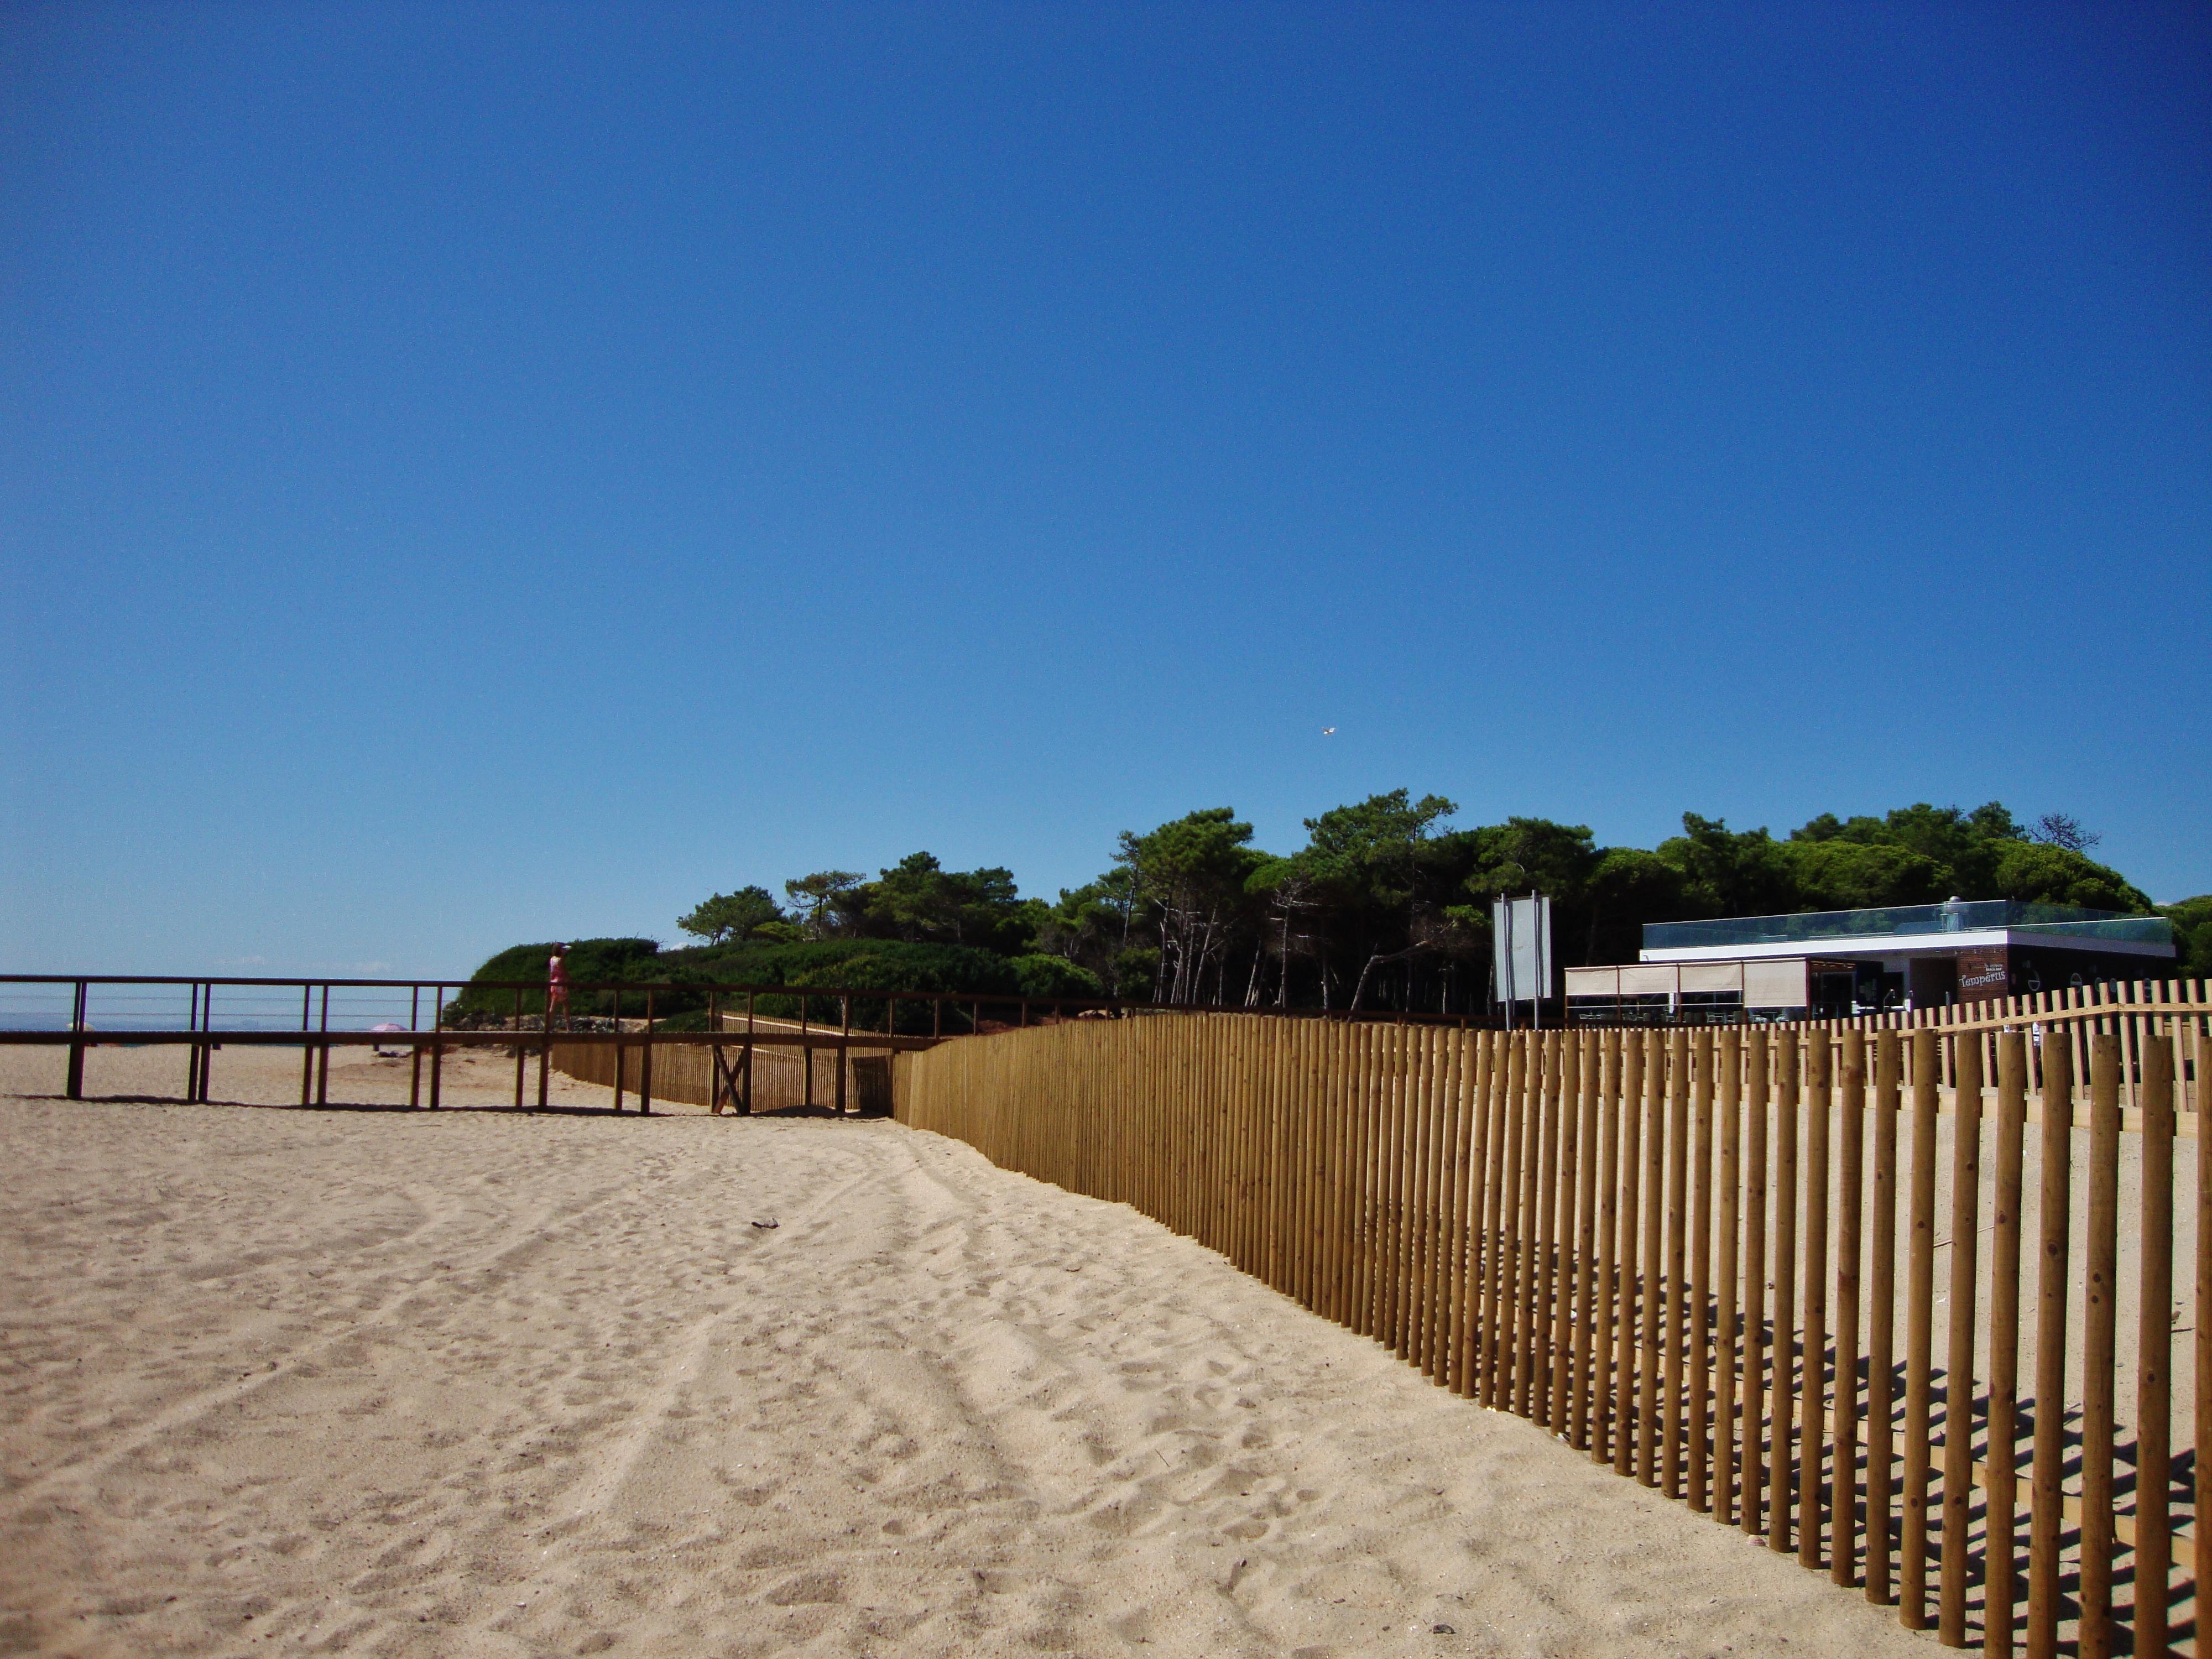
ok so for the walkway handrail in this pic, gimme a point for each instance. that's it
(1028, 1004)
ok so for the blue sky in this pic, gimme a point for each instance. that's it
(472, 474)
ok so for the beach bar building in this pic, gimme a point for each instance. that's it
(1830, 963)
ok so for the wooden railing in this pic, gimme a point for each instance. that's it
(766, 1071)
(1820, 1282)
(783, 1027)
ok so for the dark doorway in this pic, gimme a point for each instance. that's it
(1935, 980)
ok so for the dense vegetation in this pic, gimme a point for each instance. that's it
(1386, 905)
(878, 964)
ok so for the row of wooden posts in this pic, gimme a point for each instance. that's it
(1708, 1257)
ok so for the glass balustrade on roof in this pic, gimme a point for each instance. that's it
(1967, 916)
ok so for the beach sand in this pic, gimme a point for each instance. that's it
(477, 1383)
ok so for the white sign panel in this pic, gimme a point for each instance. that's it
(1521, 944)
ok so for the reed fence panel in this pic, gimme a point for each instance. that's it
(1711, 1258)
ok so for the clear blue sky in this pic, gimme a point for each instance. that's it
(472, 474)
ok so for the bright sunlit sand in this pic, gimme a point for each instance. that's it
(472, 1382)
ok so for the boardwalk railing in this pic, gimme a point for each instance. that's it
(709, 1055)
(760, 1072)
(712, 1044)
(1899, 1301)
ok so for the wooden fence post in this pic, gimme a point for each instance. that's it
(1528, 1206)
(1605, 1422)
(306, 1043)
(1920, 1300)
(1627, 1413)
(1655, 1220)
(1675, 1273)
(1959, 1366)
(1757, 1106)
(73, 1083)
(1811, 1463)
(1725, 1274)
(1698, 1378)
(1780, 1483)
(1565, 1273)
(1588, 1156)
(2153, 1359)
(437, 1048)
(2002, 1592)
(1851, 1111)
(1482, 1212)
(2046, 1519)
(1459, 1164)
(2099, 1339)
(1881, 1344)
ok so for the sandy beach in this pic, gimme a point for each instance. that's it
(477, 1383)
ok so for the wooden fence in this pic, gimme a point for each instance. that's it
(778, 1078)
(1868, 1292)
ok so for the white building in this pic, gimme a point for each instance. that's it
(1832, 962)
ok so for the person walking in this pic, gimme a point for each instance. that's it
(556, 985)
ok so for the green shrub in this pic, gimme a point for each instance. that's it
(1055, 976)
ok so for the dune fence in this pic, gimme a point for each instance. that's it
(1920, 1304)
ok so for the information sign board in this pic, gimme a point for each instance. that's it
(1520, 945)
